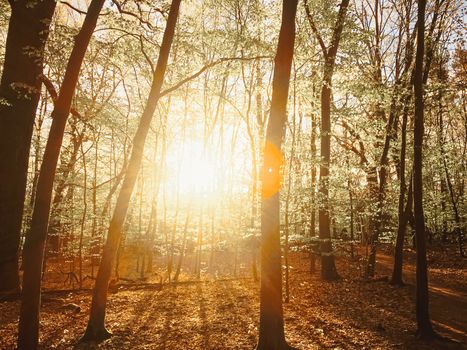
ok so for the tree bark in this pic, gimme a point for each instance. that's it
(20, 85)
(404, 215)
(396, 278)
(328, 267)
(447, 181)
(424, 327)
(36, 237)
(313, 177)
(96, 326)
(271, 328)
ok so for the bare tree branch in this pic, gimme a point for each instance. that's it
(138, 17)
(206, 67)
(81, 12)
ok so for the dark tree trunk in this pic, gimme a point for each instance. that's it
(379, 220)
(19, 95)
(95, 241)
(425, 330)
(404, 215)
(313, 189)
(286, 209)
(396, 278)
(328, 267)
(271, 328)
(83, 218)
(35, 239)
(96, 326)
(391, 133)
(447, 181)
(313, 177)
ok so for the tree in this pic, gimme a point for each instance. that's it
(19, 95)
(33, 251)
(271, 327)
(328, 268)
(95, 329)
(424, 327)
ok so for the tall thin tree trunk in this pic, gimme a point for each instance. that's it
(56, 211)
(182, 249)
(313, 189)
(286, 209)
(447, 180)
(271, 328)
(96, 326)
(83, 218)
(328, 267)
(199, 243)
(20, 86)
(212, 268)
(397, 275)
(35, 238)
(424, 327)
(37, 149)
(313, 176)
(95, 242)
(396, 278)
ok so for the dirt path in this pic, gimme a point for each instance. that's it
(448, 294)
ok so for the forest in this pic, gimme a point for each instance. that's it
(233, 174)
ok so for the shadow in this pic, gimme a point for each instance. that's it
(204, 330)
(9, 311)
(328, 319)
(447, 306)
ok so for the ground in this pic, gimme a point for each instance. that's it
(223, 313)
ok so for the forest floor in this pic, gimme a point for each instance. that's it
(223, 314)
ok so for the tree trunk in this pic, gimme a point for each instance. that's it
(447, 181)
(424, 327)
(211, 267)
(199, 243)
(35, 239)
(271, 328)
(96, 326)
(396, 278)
(286, 209)
(65, 169)
(379, 220)
(95, 241)
(313, 177)
(182, 249)
(20, 89)
(83, 218)
(328, 267)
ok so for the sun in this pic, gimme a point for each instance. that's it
(197, 174)
(192, 169)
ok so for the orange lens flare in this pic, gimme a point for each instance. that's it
(271, 175)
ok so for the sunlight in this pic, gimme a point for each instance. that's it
(192, 169)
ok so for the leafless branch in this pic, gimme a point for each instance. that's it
(206, 67)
